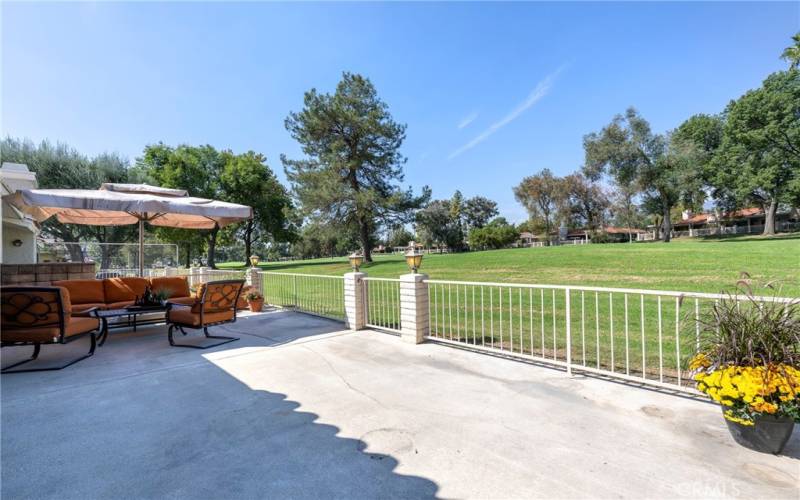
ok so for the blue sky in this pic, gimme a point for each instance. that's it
(491, 92)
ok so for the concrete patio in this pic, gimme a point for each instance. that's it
(300, 407)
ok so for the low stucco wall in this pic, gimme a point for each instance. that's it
(45, 273)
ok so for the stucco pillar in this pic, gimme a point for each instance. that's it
(355, 300)
(414, 313)
(253, 279)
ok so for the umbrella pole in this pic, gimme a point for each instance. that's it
(141, 248)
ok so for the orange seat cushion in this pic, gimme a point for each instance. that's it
(84, 291)
(77, 308)
(122, 304)
(185, 316)
(175, 286)
(74, 326)
(122, 289)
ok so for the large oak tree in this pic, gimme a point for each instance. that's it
(542, 196)
(759, 158)
(248, 180)
(634, 156)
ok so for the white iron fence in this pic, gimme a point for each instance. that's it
(312, 293)
(382, 297)
(646, 336)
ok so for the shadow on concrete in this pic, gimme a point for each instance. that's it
(186, 429)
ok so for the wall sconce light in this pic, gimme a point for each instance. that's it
(17, 243)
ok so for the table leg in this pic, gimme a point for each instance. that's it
(103, 332)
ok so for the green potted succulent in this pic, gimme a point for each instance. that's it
(749, 363)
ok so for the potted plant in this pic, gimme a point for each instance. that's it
(255, 300)
(242, 302)
(749, 363)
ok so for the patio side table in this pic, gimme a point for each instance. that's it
(131, 314)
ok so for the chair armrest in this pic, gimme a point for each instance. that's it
(170, 305)
(92, 311)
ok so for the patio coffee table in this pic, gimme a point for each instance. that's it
(131, 314)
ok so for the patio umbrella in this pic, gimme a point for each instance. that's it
(122, 204)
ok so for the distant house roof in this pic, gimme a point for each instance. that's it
(707, 217)
(582, 232)
(606, 229)
(623, 230)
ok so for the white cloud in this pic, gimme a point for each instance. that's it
(467, 120)
(541, 90)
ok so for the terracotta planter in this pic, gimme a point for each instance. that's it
(256, 305)
(242, 304)
(769, 434)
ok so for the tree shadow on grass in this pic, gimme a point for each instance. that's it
(294, 265)
(733, 238)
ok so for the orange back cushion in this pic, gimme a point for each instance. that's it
(33, 308)
(83, 291)
(175, 286)
(121, 289)
(218, 296)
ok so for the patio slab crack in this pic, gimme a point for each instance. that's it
(344, 380)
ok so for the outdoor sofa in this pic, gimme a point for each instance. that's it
(118, 293)
(36, 316)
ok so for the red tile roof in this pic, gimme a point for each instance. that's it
(607, 229)
(623, 230)
(736, 214)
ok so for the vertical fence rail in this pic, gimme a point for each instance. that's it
(382, 296)
(315, 294)
(636, 336)
(647, 339)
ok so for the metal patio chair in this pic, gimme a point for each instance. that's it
(215, 304)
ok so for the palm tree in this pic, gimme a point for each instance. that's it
(792, 53)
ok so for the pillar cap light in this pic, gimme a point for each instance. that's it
(254, 259)
(356, 260)
(413, 257)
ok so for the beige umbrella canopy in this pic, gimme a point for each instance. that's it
(122, 204)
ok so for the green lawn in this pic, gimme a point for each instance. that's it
(658, 341)
(693, 265)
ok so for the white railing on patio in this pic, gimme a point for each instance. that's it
(647, 336)
(311, 293)
(644, 336)
(382, 296)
